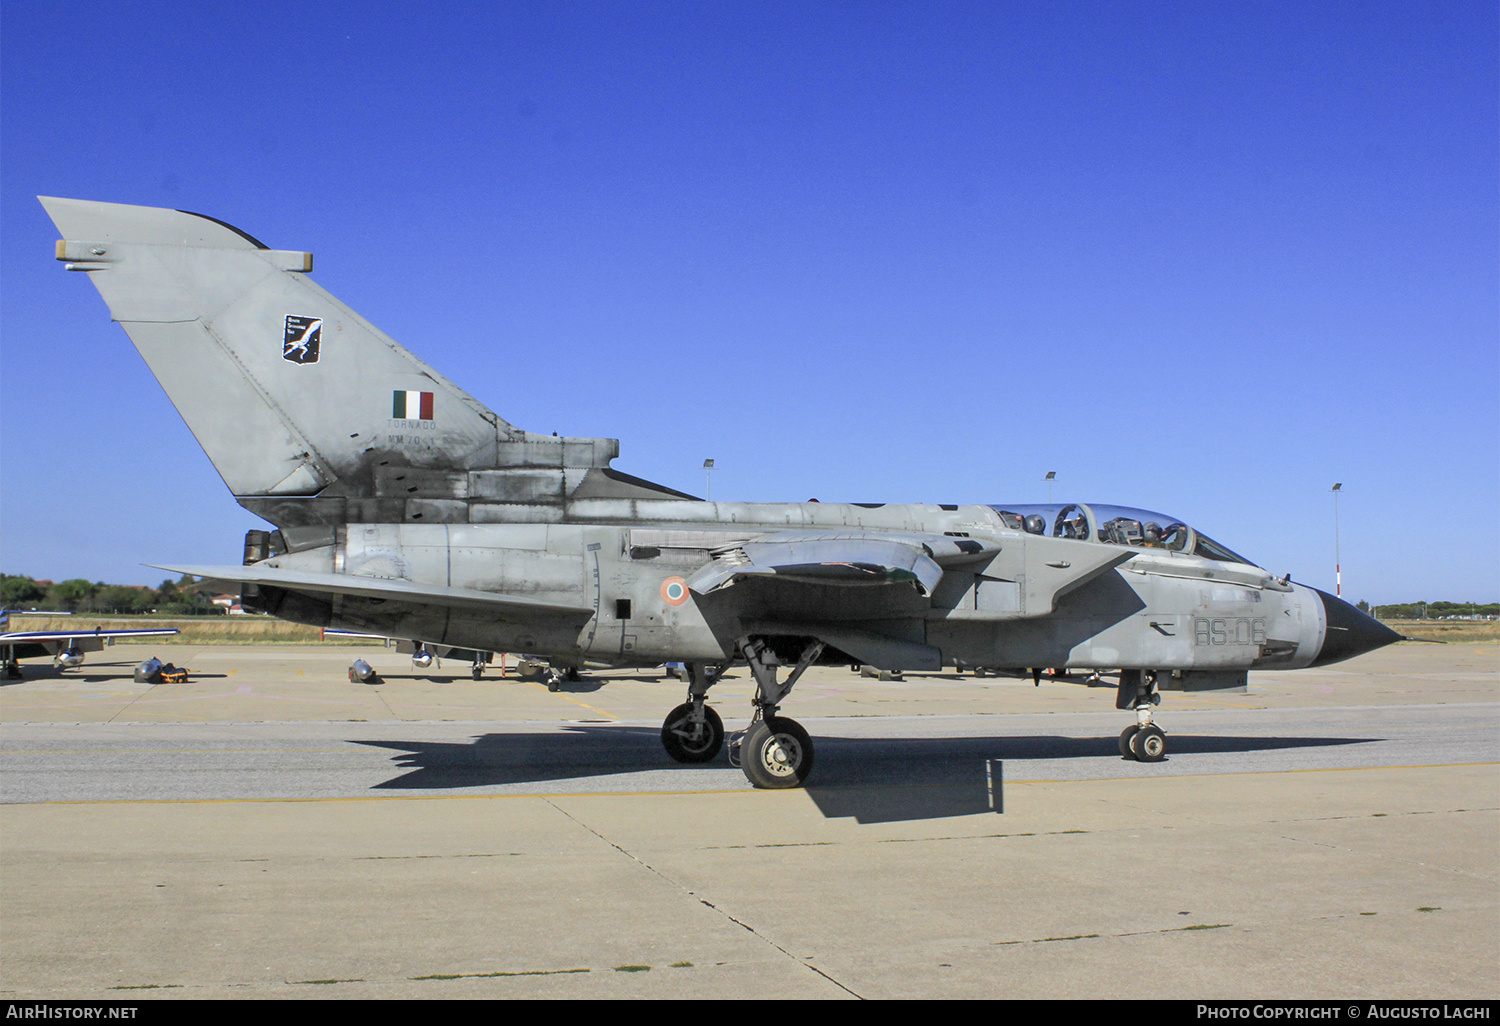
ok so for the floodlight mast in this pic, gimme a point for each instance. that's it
(708, 472)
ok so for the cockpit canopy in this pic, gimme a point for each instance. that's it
(1115, 525)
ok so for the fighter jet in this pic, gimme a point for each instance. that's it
(404, 507)
(67, 648)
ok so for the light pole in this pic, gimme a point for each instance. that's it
(708, 473)
(1051, 476)
(1338, 570)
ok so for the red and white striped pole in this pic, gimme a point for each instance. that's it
(1338, 571)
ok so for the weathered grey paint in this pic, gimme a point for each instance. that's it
(449, 525)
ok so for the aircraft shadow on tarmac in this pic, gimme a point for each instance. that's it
(870, 779)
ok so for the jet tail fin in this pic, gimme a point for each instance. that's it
(290, 392)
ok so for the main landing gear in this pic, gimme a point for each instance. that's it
(774, 752)
(481, 660)
(1143, 740)
(694, 732)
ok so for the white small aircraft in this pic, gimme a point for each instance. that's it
(66, 648)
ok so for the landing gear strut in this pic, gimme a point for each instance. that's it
(775, 751)
(694, 732)
(1143, 740)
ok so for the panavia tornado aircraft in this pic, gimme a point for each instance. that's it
(405, 508)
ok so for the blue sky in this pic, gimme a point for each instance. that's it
(1202, 258)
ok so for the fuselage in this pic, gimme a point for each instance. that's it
(1167, 606)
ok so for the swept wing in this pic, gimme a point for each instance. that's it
(311, 582)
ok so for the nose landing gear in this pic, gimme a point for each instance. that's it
(1143, 740)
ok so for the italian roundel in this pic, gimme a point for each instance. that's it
(674, 591)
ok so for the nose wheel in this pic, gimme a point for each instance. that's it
(1143, 740)
(1143, 744)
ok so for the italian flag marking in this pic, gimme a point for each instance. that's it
(411, 405)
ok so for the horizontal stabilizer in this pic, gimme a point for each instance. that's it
(384, 588)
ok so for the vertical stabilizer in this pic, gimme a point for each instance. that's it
(289, 392)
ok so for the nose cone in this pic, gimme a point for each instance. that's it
(1350, 632)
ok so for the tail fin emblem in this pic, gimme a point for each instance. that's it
(300, 343)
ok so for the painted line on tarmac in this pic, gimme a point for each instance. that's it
(570, 698)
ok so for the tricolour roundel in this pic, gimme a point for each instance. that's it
(674, 591)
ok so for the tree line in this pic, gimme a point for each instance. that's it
(1430, 610)
(175, 598)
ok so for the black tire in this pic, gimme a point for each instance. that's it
(1126, 736)
(476, 672)
(1149, 744)
(776, 753)
(683, 744)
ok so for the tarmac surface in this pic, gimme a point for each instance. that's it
(272, 830)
